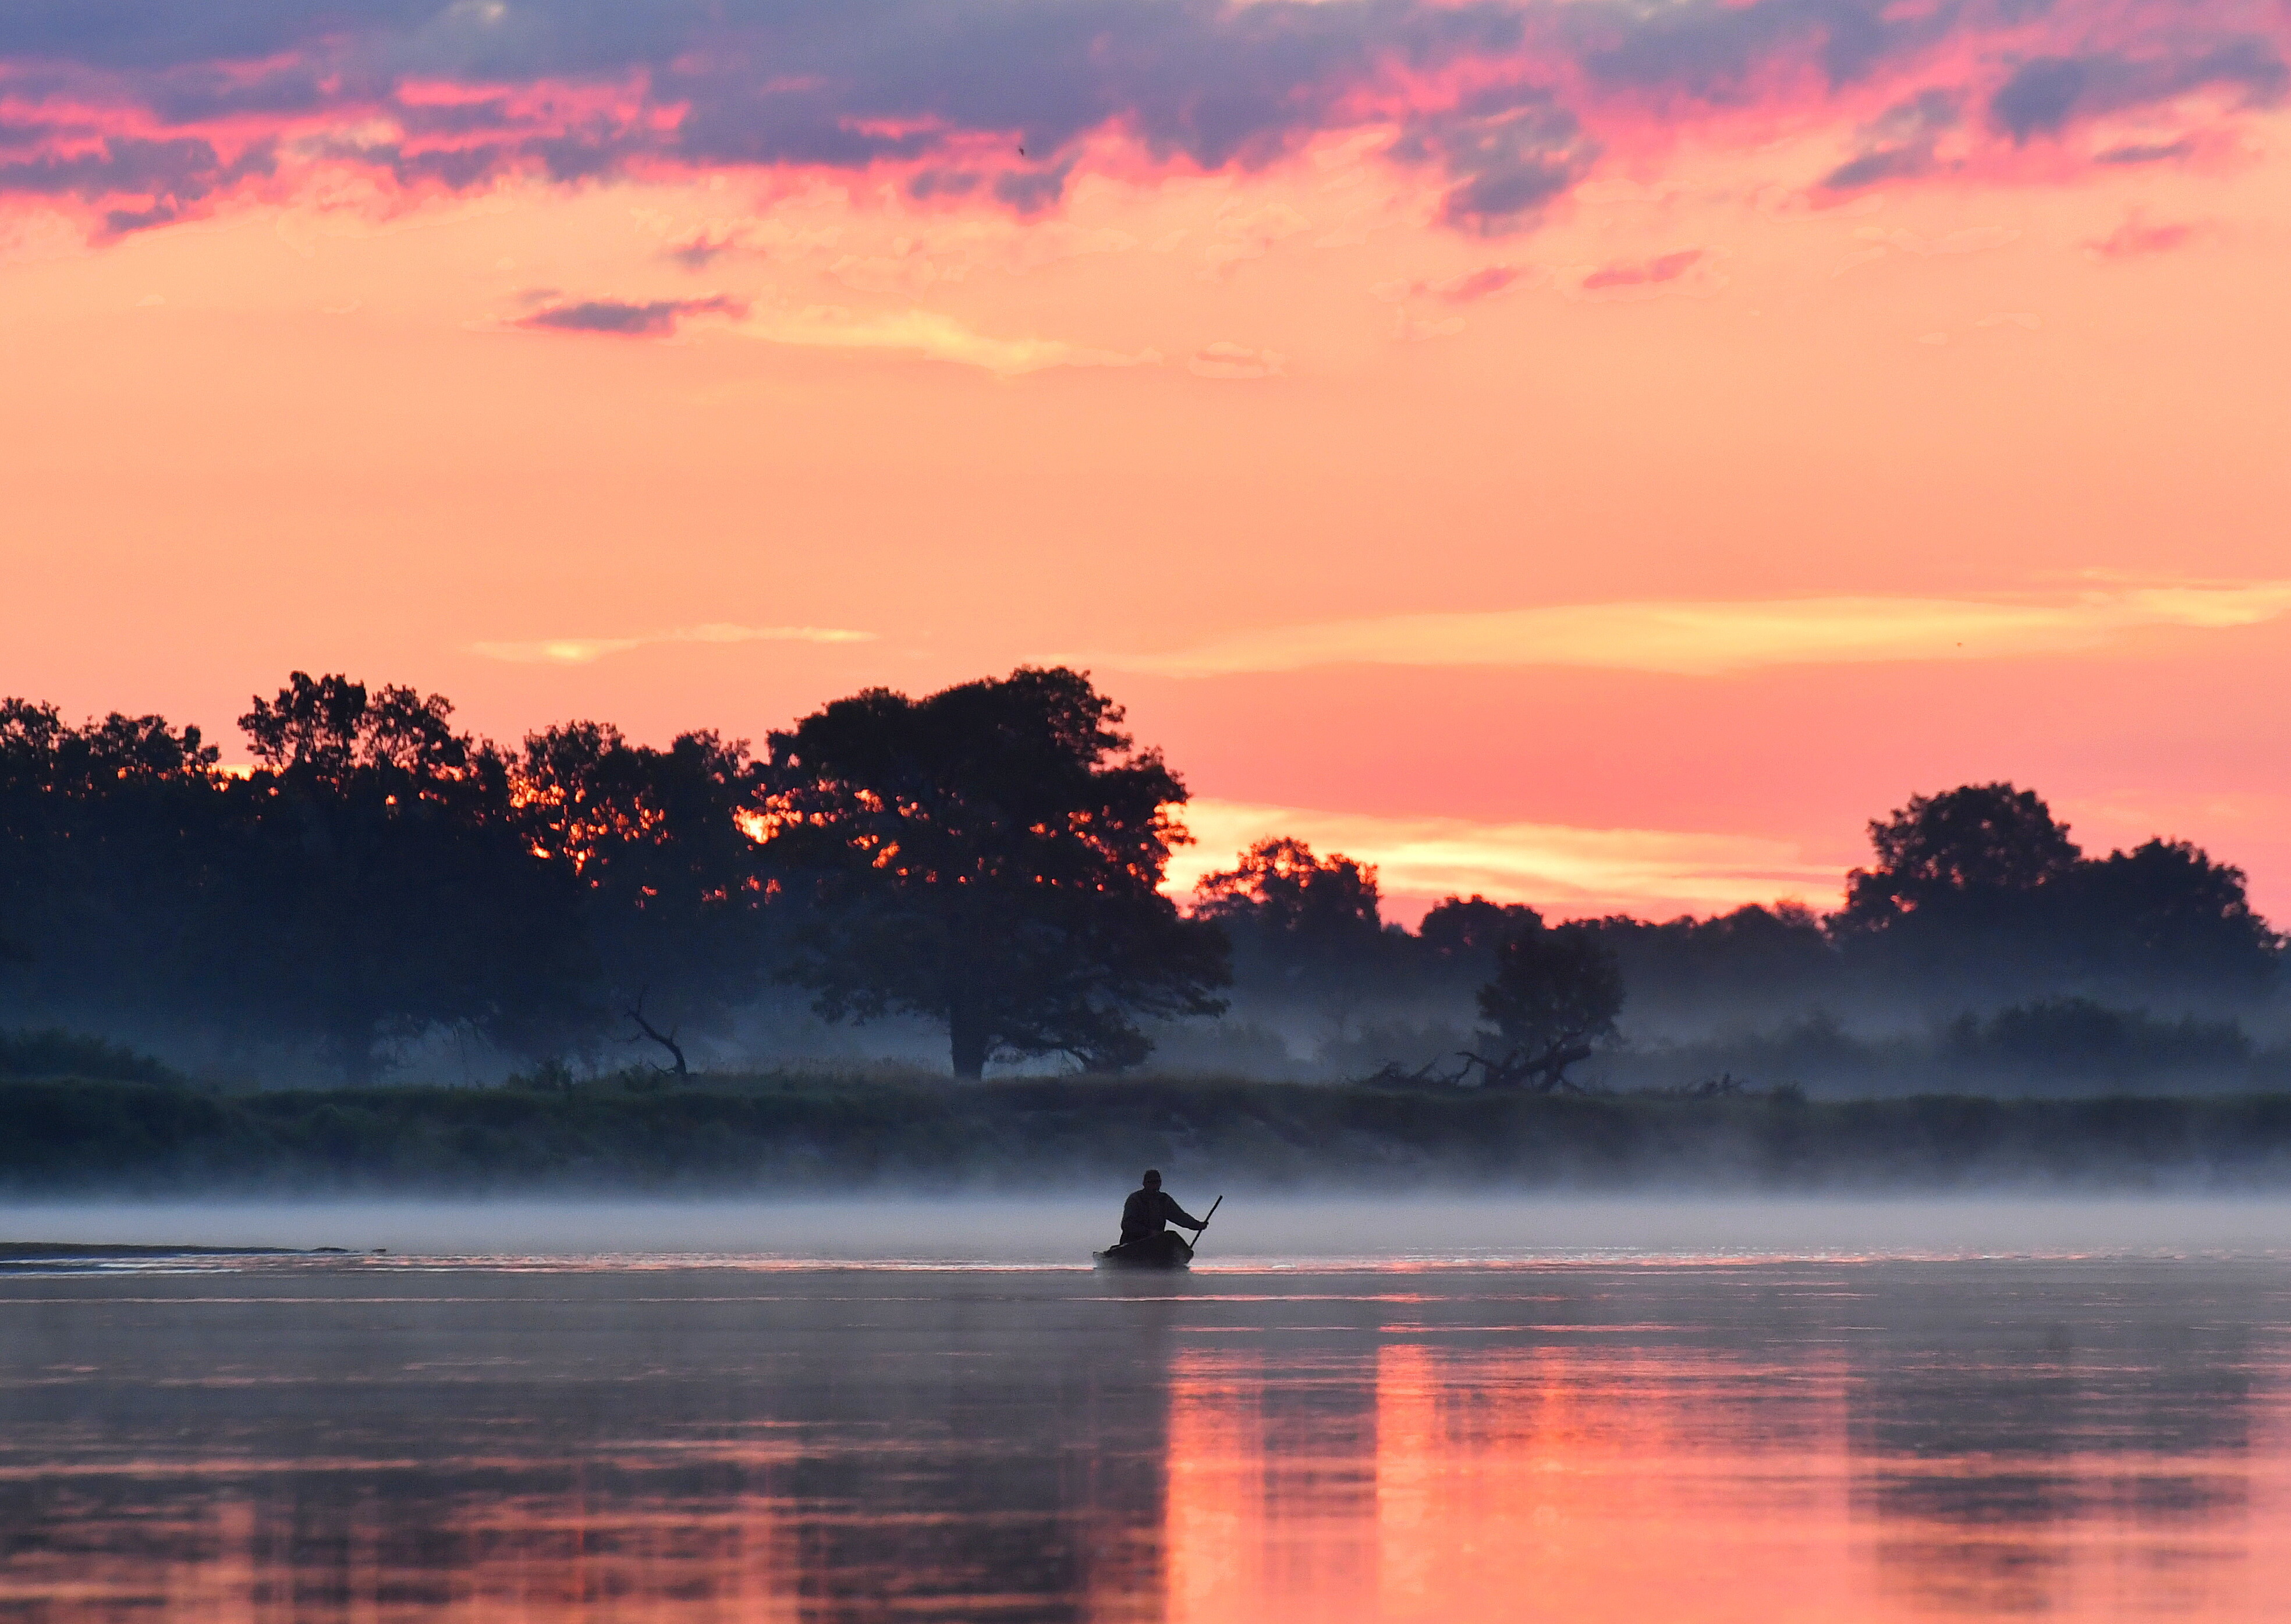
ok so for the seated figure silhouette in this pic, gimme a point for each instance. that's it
(1146, 1216)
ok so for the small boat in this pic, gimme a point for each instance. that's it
(1166, 1251)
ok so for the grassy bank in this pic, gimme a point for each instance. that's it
(766, 1135)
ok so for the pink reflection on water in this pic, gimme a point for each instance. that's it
(1567, 1484)
(1837, 1442)
(1562, 1484)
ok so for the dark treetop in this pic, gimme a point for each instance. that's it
(990, 857)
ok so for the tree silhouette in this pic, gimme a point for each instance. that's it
(1324, 907)
(2164, 912)
(1468, 930)
(392, 890)
(1965, 849)
(1553, 1000)
(1728, 964)
(990, 858)
(664, 843)
(1305, 928)
(114, 843)
(1981, 890)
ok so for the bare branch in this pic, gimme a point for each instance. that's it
(666, 1039)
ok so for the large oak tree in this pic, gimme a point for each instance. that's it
(990, 858)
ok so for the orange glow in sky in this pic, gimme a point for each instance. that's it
(1595, 454)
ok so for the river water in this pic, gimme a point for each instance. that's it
(1652, 1435)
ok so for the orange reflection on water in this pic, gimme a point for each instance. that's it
(1550, 1482)
(1624, 1485)
(1792, 1444)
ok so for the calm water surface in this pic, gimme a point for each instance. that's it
(377, 1439)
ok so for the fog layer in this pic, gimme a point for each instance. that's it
(1249, 1230)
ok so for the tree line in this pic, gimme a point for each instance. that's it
(1976, 895)
(990, 858)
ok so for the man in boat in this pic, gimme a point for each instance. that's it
(1147, 1214)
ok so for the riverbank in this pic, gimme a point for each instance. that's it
(769, 1135)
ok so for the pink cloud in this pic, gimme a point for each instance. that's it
(1467, 288)
(1664, 268)
(1482, 283)
(1234, 363)
(144, 115)
(2135, 238)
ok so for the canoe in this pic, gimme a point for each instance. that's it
(1166, 1250)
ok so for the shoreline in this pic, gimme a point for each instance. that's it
(804, 1137)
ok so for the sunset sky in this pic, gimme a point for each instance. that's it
(1593, 454)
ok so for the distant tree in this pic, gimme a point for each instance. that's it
(664, 844)
(2165, 912)
(990, 858)
(1967, 849)
(56, 1053)
(1305, 928)
(1467, 930)
(1728, 963)
(1980, 890)
(1553, 1000)
(1280, 888)
(315, 726)
(2080, 1038)
(391, 889)
(111, 833)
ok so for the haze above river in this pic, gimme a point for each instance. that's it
(1778, 1411)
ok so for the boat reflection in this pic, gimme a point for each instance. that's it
(1783, 1442)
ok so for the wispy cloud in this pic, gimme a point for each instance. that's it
(1693, 271)
(1642, 273)
(1558, 867)
(628, 318)
(582, 650)
(1706, 639)
(2136, 238)
(1467, 287)
(931, 336)
(1233, 362)
(1420, 329)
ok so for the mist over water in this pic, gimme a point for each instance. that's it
(1250, 1231)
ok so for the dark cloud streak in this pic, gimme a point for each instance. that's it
(625, 318)
(2046, 93)
(1898, 146)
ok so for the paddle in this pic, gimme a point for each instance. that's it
(1206, 1216)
